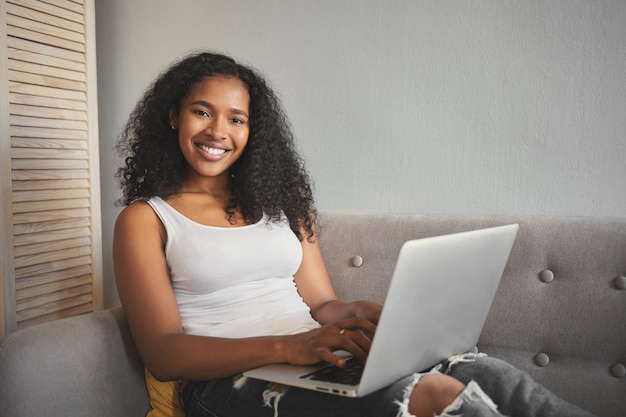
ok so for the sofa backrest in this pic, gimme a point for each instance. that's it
(560, 310)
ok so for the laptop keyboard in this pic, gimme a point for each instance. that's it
(349, 374)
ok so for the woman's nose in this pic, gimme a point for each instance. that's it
(217, 128)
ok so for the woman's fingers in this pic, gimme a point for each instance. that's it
(355, 342)
(352, 335)
(357, 323)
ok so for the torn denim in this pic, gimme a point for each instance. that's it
(493, 388)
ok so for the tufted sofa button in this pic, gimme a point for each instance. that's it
(356, 261)
(620, 283)
(541, 359)
(618, 370)
(546, 276)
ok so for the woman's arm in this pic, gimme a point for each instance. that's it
(316, 290)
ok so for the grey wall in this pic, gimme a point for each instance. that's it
(424, 106)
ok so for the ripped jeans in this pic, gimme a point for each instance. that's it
(493, 388)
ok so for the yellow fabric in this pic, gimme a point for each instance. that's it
(164, 399)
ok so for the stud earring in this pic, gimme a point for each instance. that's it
(173, 127)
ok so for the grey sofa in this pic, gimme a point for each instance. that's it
(559, 314)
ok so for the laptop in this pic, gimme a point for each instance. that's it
(436, 305)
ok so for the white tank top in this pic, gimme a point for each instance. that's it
(234, 281)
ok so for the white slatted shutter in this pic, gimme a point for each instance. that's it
(49, 60)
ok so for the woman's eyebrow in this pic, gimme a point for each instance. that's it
(241, 112)
(210, 106)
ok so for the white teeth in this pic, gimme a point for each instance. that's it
(212, 151)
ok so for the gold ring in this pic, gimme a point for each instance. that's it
(342, 331)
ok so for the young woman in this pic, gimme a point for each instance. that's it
(219, 270)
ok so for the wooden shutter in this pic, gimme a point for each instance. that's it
(54, 190)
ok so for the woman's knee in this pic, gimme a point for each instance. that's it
(433, 393)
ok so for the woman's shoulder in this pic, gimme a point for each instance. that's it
(137, 213)
(139, 220)
(137, 206)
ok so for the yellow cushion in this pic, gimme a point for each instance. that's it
(164, 399)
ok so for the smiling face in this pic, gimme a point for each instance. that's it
(213, 126)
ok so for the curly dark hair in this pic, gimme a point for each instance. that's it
(269, 178)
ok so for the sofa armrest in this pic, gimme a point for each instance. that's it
(85, 365)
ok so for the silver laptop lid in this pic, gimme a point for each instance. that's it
(437, 302)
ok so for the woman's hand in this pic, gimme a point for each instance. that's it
(353, 335)
(367, 310)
